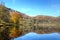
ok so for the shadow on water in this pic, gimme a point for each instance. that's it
(35, 36)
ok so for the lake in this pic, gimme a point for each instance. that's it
(35, 36)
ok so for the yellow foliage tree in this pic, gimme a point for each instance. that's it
(15, 18)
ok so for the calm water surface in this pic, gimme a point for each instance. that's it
(35, 36)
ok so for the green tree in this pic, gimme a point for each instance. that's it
(4, 18)
(4, 13)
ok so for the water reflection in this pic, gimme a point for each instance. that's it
(35, 36)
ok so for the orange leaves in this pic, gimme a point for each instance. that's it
(15, 17)
(14, 32)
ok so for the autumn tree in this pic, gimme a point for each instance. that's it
(15, 18)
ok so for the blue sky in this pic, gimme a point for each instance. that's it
(35, 7)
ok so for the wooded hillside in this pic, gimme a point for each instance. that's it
(14, 24)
